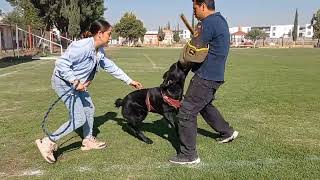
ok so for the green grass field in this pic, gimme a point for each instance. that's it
(271, 96)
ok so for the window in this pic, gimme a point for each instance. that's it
(309, 33)
(273, 34)
(274, 28)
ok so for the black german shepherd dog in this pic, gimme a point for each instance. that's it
(164, 100)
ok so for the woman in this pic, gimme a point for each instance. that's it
(76, 69)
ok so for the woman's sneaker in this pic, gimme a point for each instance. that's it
(46, 148)
(92, 143)
(229, 139)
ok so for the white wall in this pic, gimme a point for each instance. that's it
(278, 31)
(309, 31)
(185, 35)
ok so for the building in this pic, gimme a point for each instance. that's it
(185, 35)
(151, 38)
(168, 38)
(308, 32)
(265, 29)
(238, 36)
(278, 31)
(281, 31)
(8, 37)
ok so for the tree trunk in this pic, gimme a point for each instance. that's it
(254, 45)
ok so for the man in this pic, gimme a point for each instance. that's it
(209, 75)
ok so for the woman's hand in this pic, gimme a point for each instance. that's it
(79, 86)
(87, 83)
(136, 85)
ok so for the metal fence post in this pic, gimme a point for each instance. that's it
(0, 41)
(17, 40)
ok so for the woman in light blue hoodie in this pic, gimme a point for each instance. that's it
(76, 69)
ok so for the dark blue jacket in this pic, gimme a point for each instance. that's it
(215, 32)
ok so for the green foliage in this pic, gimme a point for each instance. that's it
(114, 34)
(161, 34)
(315, 22)
(24, 14)
(176, 36)
(295, 27)
(255, 35)
(57, 12)
(130, 27)
(74, 18)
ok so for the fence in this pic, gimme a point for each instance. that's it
(18, 41)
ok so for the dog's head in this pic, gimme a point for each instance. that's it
(176, 74)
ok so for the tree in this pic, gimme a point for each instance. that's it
(176, 35)
(56, 12)
(74, 19)
(295, 28)
(315, 23)
(24, 14)
(130, 28)
(255, 35)
(161, 35)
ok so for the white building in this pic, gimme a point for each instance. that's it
(279, 31)
(308, 31)
(185, 35)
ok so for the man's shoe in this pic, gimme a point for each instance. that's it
(46, 148)
(179, 159)
(92, 143)
(229, 139)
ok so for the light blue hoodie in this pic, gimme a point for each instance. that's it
(80, 59)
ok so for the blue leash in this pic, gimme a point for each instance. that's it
(45, 119)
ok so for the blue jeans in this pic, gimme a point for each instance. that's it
(80, 107)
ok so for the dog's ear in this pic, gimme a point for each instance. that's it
(165, 75)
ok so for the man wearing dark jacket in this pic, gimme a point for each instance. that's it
(209, 75)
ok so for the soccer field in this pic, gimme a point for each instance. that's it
(271, 96)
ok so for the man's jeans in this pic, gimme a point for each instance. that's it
(80, 107)
(198, 98)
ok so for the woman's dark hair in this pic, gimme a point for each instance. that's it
(96, 26)
(210, 3)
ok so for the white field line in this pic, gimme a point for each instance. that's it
(254, 54)
(24, 64)
(150, 60)
(24, 173)
(6, 74)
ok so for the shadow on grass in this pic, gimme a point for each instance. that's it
(158, 127)
(11, 61)
(98, 121)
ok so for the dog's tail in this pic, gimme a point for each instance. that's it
(118, 103)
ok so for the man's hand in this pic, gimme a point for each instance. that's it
(136, 85)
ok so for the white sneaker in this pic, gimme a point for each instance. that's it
(229, 139)
(46, 148)
(92, 143)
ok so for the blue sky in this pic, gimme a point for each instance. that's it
(238, 12)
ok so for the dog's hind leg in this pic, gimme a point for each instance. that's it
(135, 129)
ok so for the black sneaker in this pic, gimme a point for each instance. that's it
(178, 159)
(229, 139)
